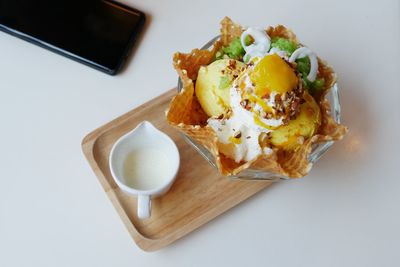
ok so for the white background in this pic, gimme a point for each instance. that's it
(53, 211)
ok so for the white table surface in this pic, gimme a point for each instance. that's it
(53, 211)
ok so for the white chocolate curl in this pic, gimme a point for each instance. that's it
(260, 46)
(306, 52)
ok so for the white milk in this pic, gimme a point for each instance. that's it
(145, 168)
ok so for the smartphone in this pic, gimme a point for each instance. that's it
(97, 33)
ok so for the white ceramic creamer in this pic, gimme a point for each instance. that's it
(144, 162)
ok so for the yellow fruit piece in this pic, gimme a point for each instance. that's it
(212, 98)
(235, 140)
(205, 93)
(273, 74)
(305, 125)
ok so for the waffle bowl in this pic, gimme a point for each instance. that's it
(186, 115)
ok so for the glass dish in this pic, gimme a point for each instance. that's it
(251, 174)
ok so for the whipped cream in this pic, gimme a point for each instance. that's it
(260, 46)
(242, 127)
(247, 149)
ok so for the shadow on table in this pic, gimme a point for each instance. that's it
(138, 42)
(348, 154)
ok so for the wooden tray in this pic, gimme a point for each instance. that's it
(198, 195)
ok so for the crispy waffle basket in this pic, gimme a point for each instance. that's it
(187, 116)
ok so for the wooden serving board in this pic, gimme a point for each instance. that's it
(198, 195)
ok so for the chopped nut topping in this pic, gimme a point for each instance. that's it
(264, 139)
(246, 104)
(237, 135)
(232, 64)
(268, 115)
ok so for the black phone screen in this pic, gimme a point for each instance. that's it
(98, 33)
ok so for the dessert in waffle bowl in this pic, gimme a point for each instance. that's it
(256, 103)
